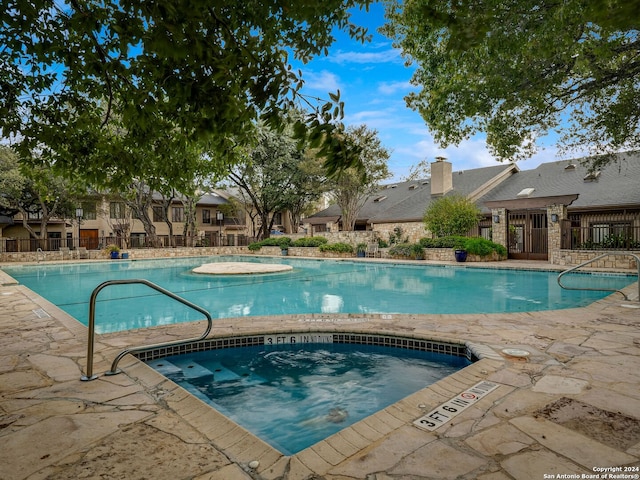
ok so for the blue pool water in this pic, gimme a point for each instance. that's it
(294, 396)
(313, 286)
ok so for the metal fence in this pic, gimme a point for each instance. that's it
(98, 243)
(619, 230)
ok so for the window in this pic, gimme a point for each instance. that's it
(206, 217)
(89, 210)
(116, 210)
(611, 235)
(158, 213)
(525, 192)
(486, 232)
(177, 214)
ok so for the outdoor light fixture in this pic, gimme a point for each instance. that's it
(496, 219)
(220, 218)
(79, 214)
(554, 217)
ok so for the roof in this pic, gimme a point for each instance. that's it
(465, 182)
(407, 201)
(616, 185)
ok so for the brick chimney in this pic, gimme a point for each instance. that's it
(441, 177)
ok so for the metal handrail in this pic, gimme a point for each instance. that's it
(38, 252)
(92, 321)
(637, 258)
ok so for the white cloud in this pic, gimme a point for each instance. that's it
(386, 56)
(391, 88)
(324, 80)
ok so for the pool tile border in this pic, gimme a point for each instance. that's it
(458, 349)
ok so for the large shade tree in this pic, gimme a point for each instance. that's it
(352, 187)
(274, 176)
(85, 86)
(518, 69)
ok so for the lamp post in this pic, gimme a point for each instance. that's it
(79, 214)
(220, 218)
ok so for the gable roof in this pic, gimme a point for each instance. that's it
(407, 201)
(465, 182)
(616, 185)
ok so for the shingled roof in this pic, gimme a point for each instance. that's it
(616, 185)
(407, 201)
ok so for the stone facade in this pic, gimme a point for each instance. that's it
(413, 231)
(571, 258)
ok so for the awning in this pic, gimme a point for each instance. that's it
(536, 202)
(320, 220)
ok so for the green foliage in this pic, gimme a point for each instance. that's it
(516, 70)
(442, 242)
(473, 245)
(309, 242)
(361, 247)
(109, 90)
(396, 236)
(451, 215)
(338, 247)
(352, 186)
(407, 250)
(269, 176)
(282, 242)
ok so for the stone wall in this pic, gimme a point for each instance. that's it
(571, 258)
(133, 254)
(413, 231)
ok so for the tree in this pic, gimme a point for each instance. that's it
(35, 193)
(418, 171)
(12, 182)
(270, 175)
(351, 187)
(175, 71)
(517, 70)
(308, 187)
(451, 215)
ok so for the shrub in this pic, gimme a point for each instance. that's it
(309, 242)
(282, 242)
(483, 247)
(407, 250)
(441, 242)
(451, 215)
(336, 247)
(473, 245)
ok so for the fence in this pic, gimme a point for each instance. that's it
(605, 231)
(15, 245)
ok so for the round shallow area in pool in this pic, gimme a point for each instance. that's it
(240, 268)
(293, 396)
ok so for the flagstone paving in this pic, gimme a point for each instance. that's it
(584, 364)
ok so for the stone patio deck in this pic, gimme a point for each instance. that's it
(571, 408)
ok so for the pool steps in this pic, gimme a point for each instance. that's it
(193, 370)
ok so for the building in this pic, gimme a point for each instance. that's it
(539, 214)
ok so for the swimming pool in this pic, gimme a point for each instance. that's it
(293, 396)
(313, 286)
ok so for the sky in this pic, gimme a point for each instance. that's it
(373, 80)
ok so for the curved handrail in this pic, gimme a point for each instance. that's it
(92, 321)
(637, 258)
